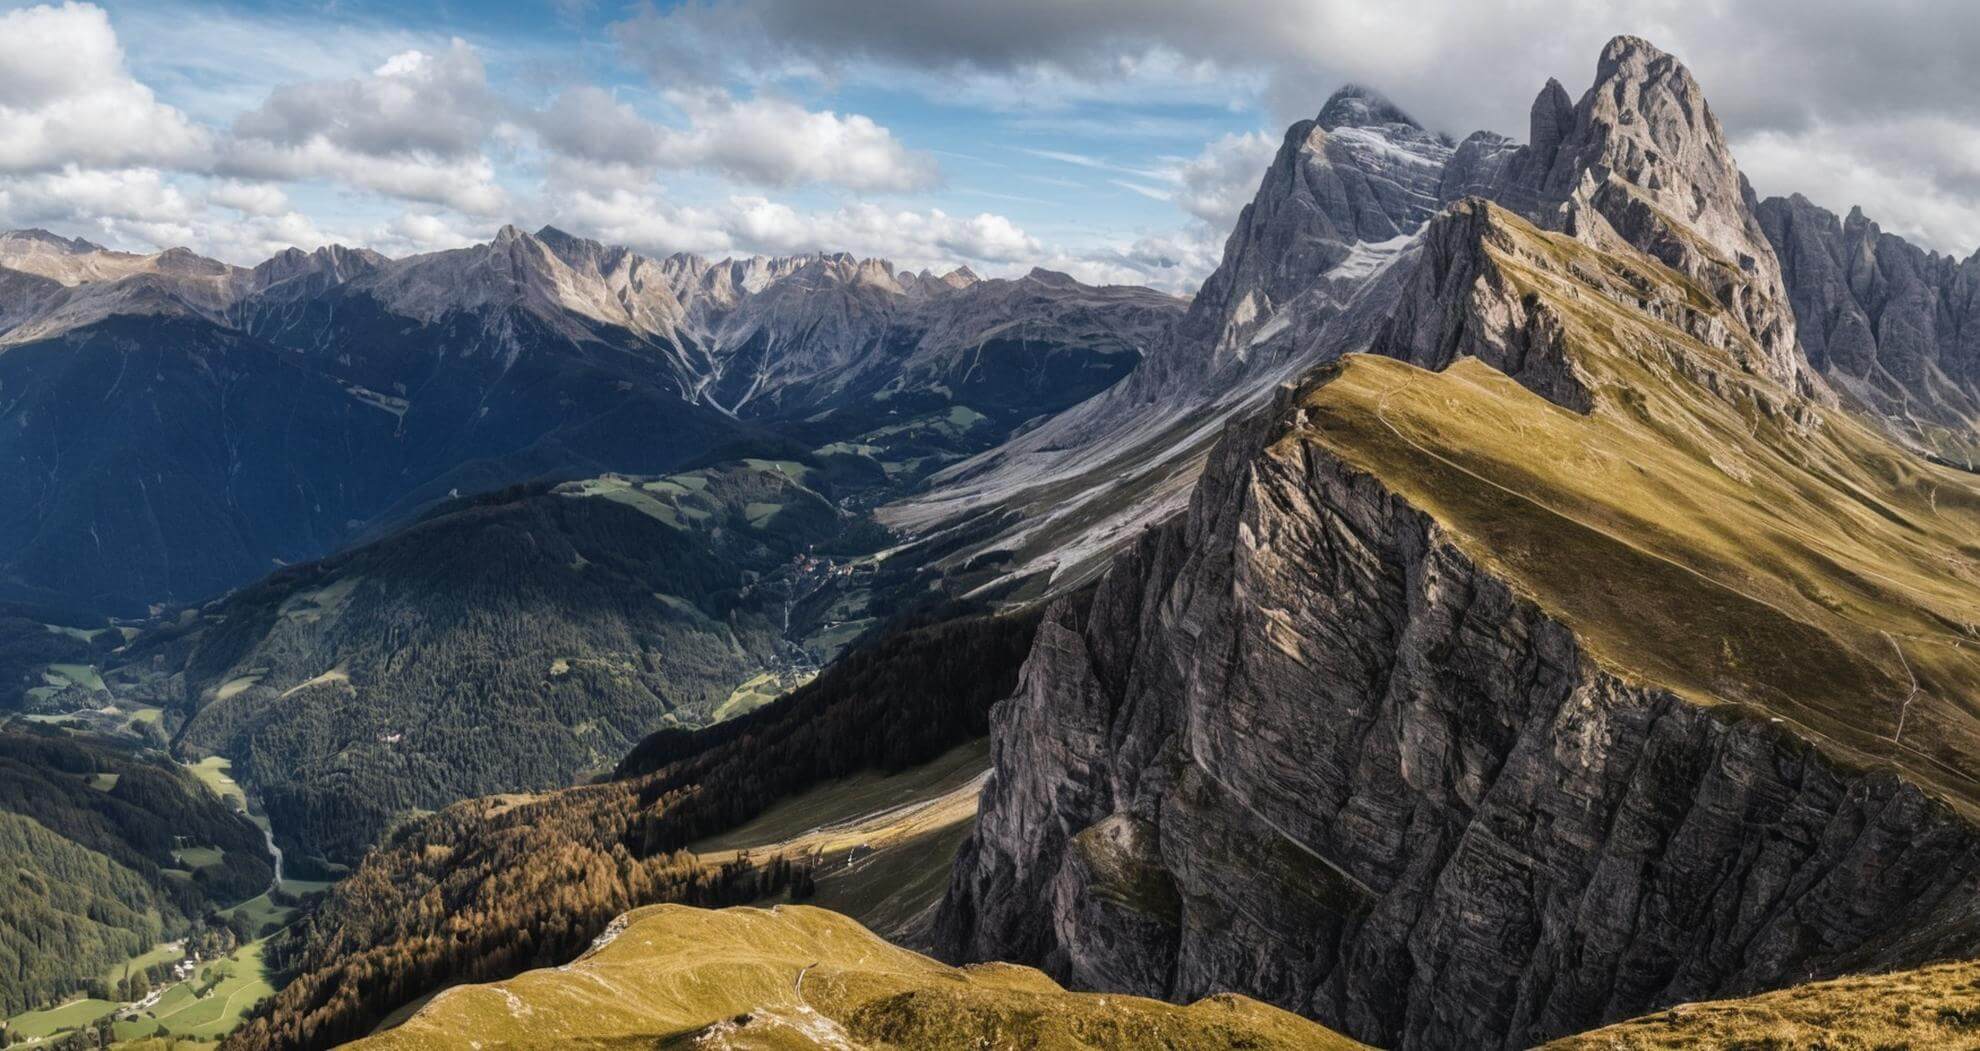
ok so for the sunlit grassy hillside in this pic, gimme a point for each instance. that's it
(800, 977)
(1699, 528)
(1929, 1008)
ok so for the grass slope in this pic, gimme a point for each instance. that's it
(799, 977)
(1932, 1007)
(885, 843)
(1696, 528)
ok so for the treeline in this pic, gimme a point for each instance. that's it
(891, 704)
(26, 645)
(487, 888)
(88, 830)
(475, 894)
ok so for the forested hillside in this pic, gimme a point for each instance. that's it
(514, 641)
(105, 851)
(491, 886)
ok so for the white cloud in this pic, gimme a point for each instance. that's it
(414, 103)
(870, 230)
(95, 197)
(414, 232)
(586, 124)
(249, 198)
(66, 98)
(144, 210)
(467, 184)
(764, 141)
(775, 142)
(1215, 185)
(413, 129)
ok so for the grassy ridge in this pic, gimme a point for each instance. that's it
(1696, 528)
(798, 977)
(1932, 1007)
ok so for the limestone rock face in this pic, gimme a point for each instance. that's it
(1894, 326)
(1641, 160)
(1361, 173)
(1301, 746)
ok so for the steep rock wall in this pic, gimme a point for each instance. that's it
(1302, 747)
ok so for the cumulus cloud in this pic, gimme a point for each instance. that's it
(414, 128)
(143, 210)
(1215, 185)
(414, 102)
(249, 198)
(765, 141)
(66, 98)
(1789, 78)
(780, 143)
(586, 123)
(94, 197)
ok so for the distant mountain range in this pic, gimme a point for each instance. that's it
(182, 426)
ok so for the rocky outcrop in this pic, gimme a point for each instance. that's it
(1641, 161)
(1301, 746)
(1308, 743)
(1362, 173)
(1893, 325)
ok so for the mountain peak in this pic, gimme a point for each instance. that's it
(1625, 49)
(1355, 106)
(54, 240)
(1551, 118)
(1641, 159)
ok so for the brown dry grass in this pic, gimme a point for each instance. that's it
(1930, 1008)
(1690, 529)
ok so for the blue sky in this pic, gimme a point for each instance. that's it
(1115, 139)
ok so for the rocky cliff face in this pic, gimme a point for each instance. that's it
(1305, 746)
(1641, 161)
(1406, 725)
(1894, 326)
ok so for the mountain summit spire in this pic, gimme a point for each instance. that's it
(1355, 106)
(1641, 159)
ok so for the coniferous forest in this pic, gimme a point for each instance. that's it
(489, 887)
(105, 850)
